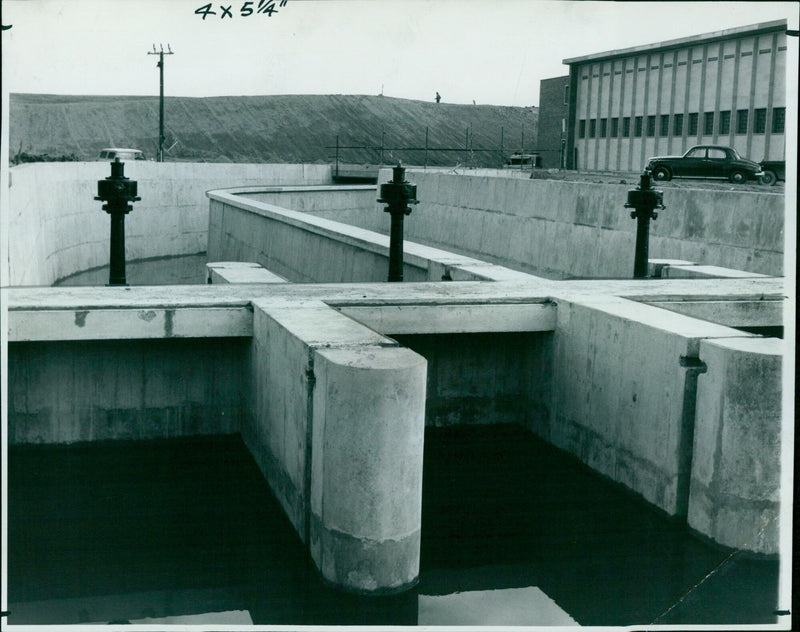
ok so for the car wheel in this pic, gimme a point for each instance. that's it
(661, 174)
(738, 177)
(769, 178)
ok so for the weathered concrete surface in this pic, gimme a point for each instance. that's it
(604, 350)
(56, 228)
(336, 425)
(366, 471)
(736, 466)
(623, 388)
(696, 271)
(541, 224)
(743, 313)
(487, 378)
(305, 248)
(68, 392)
(240, 272)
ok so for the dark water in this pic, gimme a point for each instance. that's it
(513, 532)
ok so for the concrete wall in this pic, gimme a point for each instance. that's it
(617, 383)
(94, 390)
(56, 228)
(337, 425)
(486, 378)
(542, 225)
(624, 383)
(736, 469)
(306, 248)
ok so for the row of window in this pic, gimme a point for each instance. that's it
(744, 53)
(759, 124)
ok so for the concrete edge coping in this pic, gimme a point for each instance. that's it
(415, 254)
(744, 344)
(692, 329)
(240, 272)
(297, 188)
(318, 325)
(690, 270)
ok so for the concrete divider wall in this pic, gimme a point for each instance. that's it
(266, 235)
(94, 390)
(337, 425)
(56, 228)
(736, 471)
(324, 201)
(544, 224)
(304, 248)
(486, 378)
(624, 383)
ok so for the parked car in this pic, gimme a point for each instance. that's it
(109, 153)
(774, 170)
(705, 161)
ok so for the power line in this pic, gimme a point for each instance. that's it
(160, 66)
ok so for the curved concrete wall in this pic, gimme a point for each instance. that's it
(56, 228)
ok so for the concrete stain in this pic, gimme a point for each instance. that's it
(147, 315)
(80, 318)
(169, 322)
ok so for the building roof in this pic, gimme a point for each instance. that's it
(764, 27)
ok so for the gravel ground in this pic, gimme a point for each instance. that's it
(632, 178)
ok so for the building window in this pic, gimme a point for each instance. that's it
(637, 127)
(566, 95)
(614, 127)
(708, 123)
(760, 122)
(741, 121)
(651, 125)
(603, 128)
(664, 125)
(582, 128)
(626, 127)
(725, 122)
(592, 128)
(677, 124)
(693, 123)
(778, 120)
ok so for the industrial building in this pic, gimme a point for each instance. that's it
(623, 106)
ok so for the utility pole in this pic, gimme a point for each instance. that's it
(160, 65)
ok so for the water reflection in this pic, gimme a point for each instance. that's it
(514, 533)
(510, 606)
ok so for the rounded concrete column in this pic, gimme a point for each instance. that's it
(366, 467)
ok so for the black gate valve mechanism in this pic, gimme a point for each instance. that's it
(644, 199)
(398, 194)
(117, 192)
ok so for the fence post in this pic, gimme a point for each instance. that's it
(337, 155)
(425, 166)
(502, 129)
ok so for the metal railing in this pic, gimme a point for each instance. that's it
(429, 155)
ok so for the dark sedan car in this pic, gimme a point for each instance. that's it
(705, 161)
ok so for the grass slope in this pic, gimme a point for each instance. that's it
(285, 128)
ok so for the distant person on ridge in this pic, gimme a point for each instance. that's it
(438, 97)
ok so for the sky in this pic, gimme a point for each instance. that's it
(488, 51)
